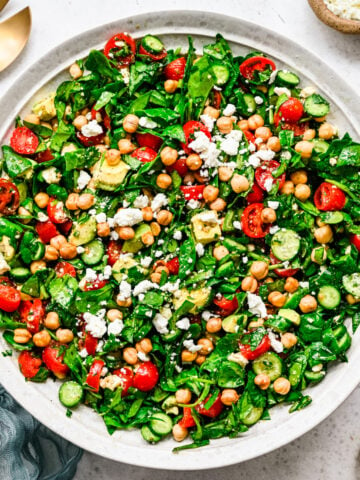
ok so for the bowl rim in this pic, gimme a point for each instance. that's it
(191, 22)
(328, 17)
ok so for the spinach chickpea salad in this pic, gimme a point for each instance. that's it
(180, 239)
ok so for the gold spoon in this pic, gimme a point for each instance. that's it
(14, 34)
(3, 4)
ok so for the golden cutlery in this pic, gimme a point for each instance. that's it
(14, 34)
(3, 4)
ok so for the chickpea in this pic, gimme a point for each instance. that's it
(101, 148)
(255, 121)
(112, 157)
(256, 323)
(212, 112)
(274, 144)
(22, 335)
(79, 122)
(42, 199)
(207, 346)
(163, 181)
(319, 222)
(189, 178)
(125, 233)
(288, 188)
(155, 277)
(351, 299)
(24, 213)
(72, 201)
(239, 183)
(291, 285)
(68, 251)
(268, 215)
(64, 335)
(225, 125)
(305, 148)
(225, 173)
(170, 86)
(179, 433)
(32, 118)
(58, 241)
(42, 339)
(187, 356)
(288, 340)
(315, 254)
(52, 321)
(147, 214)
(259, 269)
(193, 161)
(130, 355)
(183, 396)
(200, 359)
(168, 156)
(323, 234)
(114, 314)
(145, 345)
(130, 123)
(214, 325)
(220, 252)
(263, 132)
(86, 201)
(229, 396)
(243, 125)
(148, 237)
(308, 304)
(75, 71)
(218, 205)
(249, 284)
(125, 146)
(210, 193)
(302, 192)
(262, 381)
(37, 265)
(123, 302)
(103, 229)
(309, 134)
(164, 217)
(320, 119)
(282, 386)
(277, 299)
(51, 253)
(327, 131)
(299, 177)
(162, 268)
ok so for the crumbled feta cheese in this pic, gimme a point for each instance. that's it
(124, 290)
(80, 249)
(333, 162)
(83, 180)
(177, 235)
(268, 184)
(127, 217)
(206, 315)
(193, 204)
(114, 235)
(206, 149)
(265, 155)
(83, 353)
(304, 284)
(258, 100)
(143, 357)
(143, 287)
(273, 76)
(199, 247)
(190, 345)
(42, 217)
(183, 324)
(229, 110)
(160, 200)
(90, 275)
(274, 229)
(4, 267)
(51, 175)
(275, 343)
(256, 305)
(282, 91)
(125, 72)
(238, 358)
(160, 323)
(106, 273)
(208, 216)
(254, 161)
(141, 201)
(237, 225)
(95, 324)
(245, 259)
(91, 129)
(207, 121)
(147, 123)
(158, 253)
(231, 143)
(273, 204)
(317, 368)
(146, 262)
(307, 91)
(171, 287)
(100, 217)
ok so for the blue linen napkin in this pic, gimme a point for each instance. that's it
(30, 451)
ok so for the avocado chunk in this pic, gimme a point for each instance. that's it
(200, 298)
(290, 314)
(109, 177)
(6, 249)
(206, 228)
(83, 232)
(135, 244)
(123, 265)
(45, 109)
(230, 323)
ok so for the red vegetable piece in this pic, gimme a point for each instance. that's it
(65, 268)
(149, 140)
(179, 166)
(91, 343)
(144, 154)
(250, 137)
(175, 70)
(189, 129)
(251, 222)
(146, 376)
(44, 156)
(187, 421)
(227, 306)
(154, 56)
(215, 409)
(329, 197)
(192, 192)
(9, 197)
(90, 141)
(24, 141)
(121, 48)
(95, 285)
(355, 240)
(93, 378)
(127, 379)
(56, 212)
(46, 231)
(291, 110)
(263, 175)
(113, 252)
(252, 64)
(256, 195)
(55, 361)
(9, 297)
(173, 265)
(32, 313)
(263, 347)
(282, 272)
(29, 364)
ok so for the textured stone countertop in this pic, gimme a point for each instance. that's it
(332, 450)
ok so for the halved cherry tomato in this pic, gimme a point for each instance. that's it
(215, 409)
(127, 379)
(93, 378)
(252, 64)
(144, 154)
(173, 266)
(9, 197)
(264, 173)
(121, 48)
(65, 268)
(91, 343)
(251, 222)
(54, 360)
(90, 141)
(113, 252)
(146, 376)
(32, 313)
(355, 240)
(250, 137)
(46, 230)
(256, 195)
(29, 364)
(291, 110)
(216, 102)
(95, 285)
(282, 272)
(9, 298)
(189, 129)
(187, 421)
(44, 156)
(179, 166)
(105, 117)
(329, 197)
(6, 281)
(154, 56)
(227, 306)
(149, 140)
(65, 227)
(175, 70)
(298, 128)
(56, 212)
(24, 141)
(263, 347)
(192, 192)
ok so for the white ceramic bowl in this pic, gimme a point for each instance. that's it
(85, 428)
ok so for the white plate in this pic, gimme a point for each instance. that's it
(85, 428)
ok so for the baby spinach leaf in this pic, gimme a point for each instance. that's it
(15, 165)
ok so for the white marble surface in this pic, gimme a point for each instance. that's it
(332, 450)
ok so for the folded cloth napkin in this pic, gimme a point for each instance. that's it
(28, 450)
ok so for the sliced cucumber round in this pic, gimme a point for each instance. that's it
(152, 44)
(221, 73)
(20, 274)
(94, 252)
(352, 284)
(285, 244)
(249, 415)
(70, 394)
(316, 106)
(268, 363)
(161, 424)
(329, 297)
(288, 79)
(149, 435)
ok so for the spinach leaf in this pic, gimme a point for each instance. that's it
(187, 258)
(62, 134)
(63, 290)
(81, 158)
(97, 62)
(15, 165)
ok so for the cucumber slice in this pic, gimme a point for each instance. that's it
(161, 424)
(152, 44)
(291, 315)
(332, 217)
(314, 377)
(250, 104)
(352, 284)
(329, 297)
(20, 274)
(149, 435)
(287, 79)
(285, 244)
(249, 414)
(221, 73)
(316, 106)
(268, 363)
(94, 252)
(230, 323)
(320, 146)
(70, 394)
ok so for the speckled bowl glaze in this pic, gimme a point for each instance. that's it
(85, 428)
(343, 25)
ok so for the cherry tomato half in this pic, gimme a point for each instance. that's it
(216, 101)
(355, 240)
(291, 110)
(113, 252)
(329, 197)
(256, 195)
(264, 177)
(250, 137)
(65, 268)
(215, 409)
(263, 347)
(44, 156)
(121, 48)
(105, 117)
(187, 420)
(32, 313)
(24, 141)
(90, 141)
(55, 361)
(154, 56)
(93, 378)
(46, 231)
(144, 154)
(56, 212)
(29, 364)
(282, 272)
(91, 343)
(9, 197)
(192, 192)
(9, 298)
(179, 166)
(175, 70)
(127, 379)
(173, 266)
(95, 285)
(146, 376)
(227, 306)
(149, 140)
(251, 222)
(189, 129)
(253, 64)
(298, 128)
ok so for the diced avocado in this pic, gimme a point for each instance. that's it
(6, 249)
(170, 405)
(135, 244)
(230, 323)
(290, 314)
(45, 109)
(205, 227)
(83, 232)
(123, 264)
(199, 297)
(4, 267)
(23, 191)
(109, 177)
